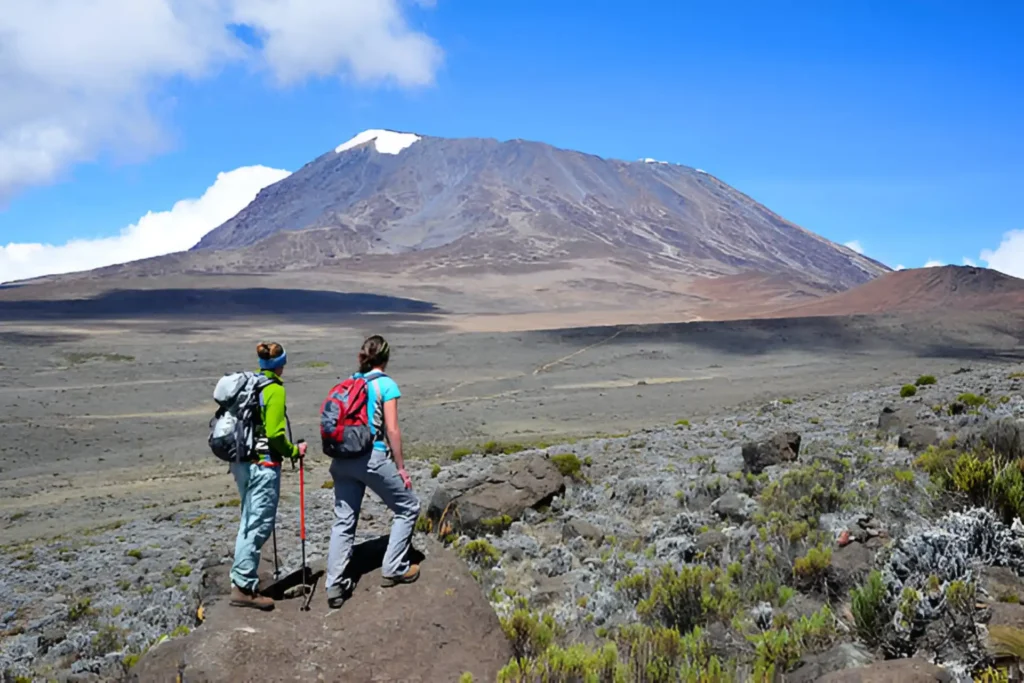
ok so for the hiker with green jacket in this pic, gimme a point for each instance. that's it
(259, 480)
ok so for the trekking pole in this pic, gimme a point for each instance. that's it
(302, 528)
(277, 568)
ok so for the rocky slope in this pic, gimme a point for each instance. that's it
(753, 527)
(522, 204)
(945, 288)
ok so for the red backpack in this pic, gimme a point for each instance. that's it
(345, 430)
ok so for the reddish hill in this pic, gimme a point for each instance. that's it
(953, 288)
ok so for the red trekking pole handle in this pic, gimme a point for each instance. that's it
(302, 499)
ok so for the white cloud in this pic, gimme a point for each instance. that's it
(969, 262)
(855, 245)
(933, 264)
(900, 267)
(153, 235)
(1008, 257)
(78, 76)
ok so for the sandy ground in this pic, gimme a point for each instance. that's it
(103, 422)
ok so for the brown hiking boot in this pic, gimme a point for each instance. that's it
(243, 598)
(408, 577)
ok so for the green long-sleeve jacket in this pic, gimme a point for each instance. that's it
(275, 424)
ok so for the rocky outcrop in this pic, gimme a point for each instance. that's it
(897, 670)
(838, 658)
(433, 630)
(475, 504)
(781, 448)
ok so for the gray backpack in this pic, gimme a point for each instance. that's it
(233, 427)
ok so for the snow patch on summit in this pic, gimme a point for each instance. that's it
(649, 160)
(385, 141)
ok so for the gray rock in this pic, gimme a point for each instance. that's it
(578, 528)
(840, 657)
(675, 549)
(711, 539)
(736, 506)
(919, 437)
(781, 448)
(510, 488)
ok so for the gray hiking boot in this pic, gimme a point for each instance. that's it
(408, 577)
(338, 594)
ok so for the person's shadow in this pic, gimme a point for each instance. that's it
(367, 557)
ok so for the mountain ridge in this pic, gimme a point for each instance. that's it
(546, 203)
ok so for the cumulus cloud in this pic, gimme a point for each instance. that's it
(154, 234)
(854, 245)
(933, 264)
(78, 77)
(1008, 257)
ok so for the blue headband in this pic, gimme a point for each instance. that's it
(274, 363)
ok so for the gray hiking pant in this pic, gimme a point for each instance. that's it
(351, 477)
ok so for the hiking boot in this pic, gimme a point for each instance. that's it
(408, 577)
(244, 598)
(337, 594)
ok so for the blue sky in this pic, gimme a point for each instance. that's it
(897, 125)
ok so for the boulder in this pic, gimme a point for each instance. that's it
(783, 447)
(508, 490)
(911, 670)
(735, 506)
(851, 563)
(1006, 614)
(432, 630)
(577, 528)
(892, 420)
(919, 437)
(711, 539)
(843, 656)
(1005, 436)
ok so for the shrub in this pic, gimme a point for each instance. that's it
(805, 493)
(938, 462)
(435, 470)
(972, 400)
(230, 503)
(904, 476)
(424, 525)
(328, 484)
(81, 607)
(908, 390)
(460, 453)
(682, 423)
(812, 569)
(466, 677)
(496, 525)
(973, 476)
(529, 634)
(925, 380)
(135, 552)
(683, 598)
(480, 551)
(182, 569)
(108, 638)
(568, 464)
(871, 611)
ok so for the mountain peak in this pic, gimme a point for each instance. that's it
(385, 141)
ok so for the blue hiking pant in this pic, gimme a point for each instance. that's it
(351, 477)
(259, 488)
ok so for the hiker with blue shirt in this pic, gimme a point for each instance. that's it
(259, 480)
(383, 470)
